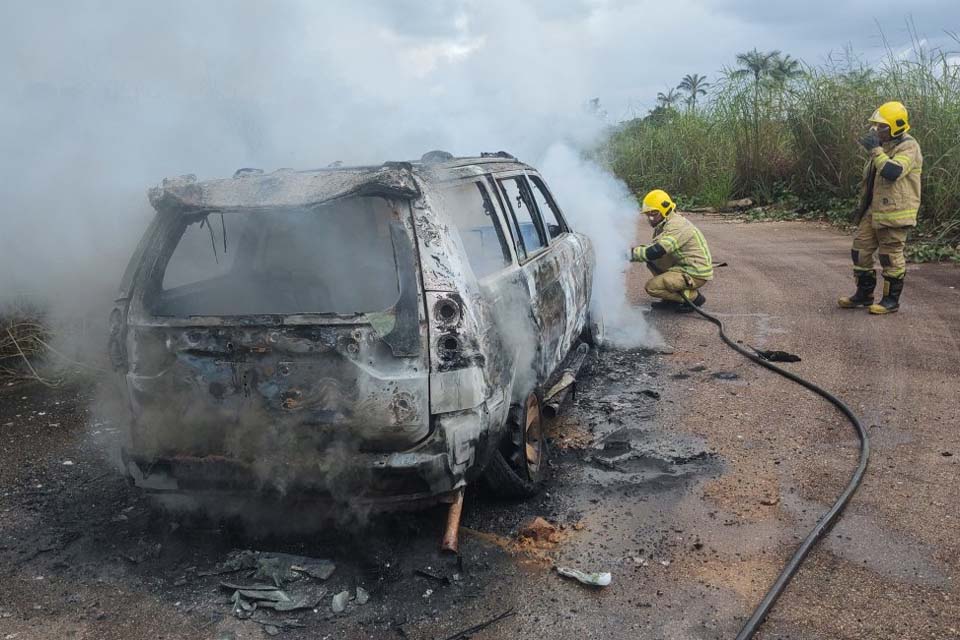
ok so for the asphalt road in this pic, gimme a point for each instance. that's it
(689, 476)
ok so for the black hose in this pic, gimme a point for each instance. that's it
(826, 521)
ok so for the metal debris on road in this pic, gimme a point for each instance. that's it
(432, 576)
(466, 633)
(776, 356)
(362, 596)
(275, 627)
(339, 603)
(283, 567)
(247, 598)
(279, 568)
(599, 579)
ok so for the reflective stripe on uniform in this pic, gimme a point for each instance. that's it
(687, 246)
(669, 243)
(703, 274)
(703, 247)
(895, 216)
(880, 159)
(903, 161)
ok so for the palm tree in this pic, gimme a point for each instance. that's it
(859, 77)
(756, 64)
(760, 66)
(669, 99)
(785, 69)
(694, 85)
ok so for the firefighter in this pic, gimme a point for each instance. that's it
(678, 257)
(889, 201)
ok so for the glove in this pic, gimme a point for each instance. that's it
(638, 254)
(870, 140)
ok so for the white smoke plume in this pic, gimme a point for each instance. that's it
(102, 100)
(601, 206)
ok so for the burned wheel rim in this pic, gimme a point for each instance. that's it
(533, 436)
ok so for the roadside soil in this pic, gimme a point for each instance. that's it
(690, 476)
(888, 569)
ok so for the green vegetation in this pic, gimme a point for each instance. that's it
(784, 134)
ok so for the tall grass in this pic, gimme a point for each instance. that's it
(796, 139)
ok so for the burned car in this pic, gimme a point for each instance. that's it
(378, 334)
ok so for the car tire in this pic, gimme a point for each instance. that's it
(518, 467)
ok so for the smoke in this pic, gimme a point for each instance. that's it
(102, 100)
(601, 206)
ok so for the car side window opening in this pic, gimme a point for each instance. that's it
(472, 212)
(552, 220)
(525, 218)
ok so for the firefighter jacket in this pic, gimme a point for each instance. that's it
(679, 246)
(891, 183)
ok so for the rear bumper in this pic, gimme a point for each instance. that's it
(412, 478)
(456, 451)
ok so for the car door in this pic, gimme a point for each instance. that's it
(541, 266)
(574, 255)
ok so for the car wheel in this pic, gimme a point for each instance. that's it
(593, 333)
(517, 468)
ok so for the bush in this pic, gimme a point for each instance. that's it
(23, 336)
(776, 138)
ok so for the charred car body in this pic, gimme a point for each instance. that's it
(378, 333)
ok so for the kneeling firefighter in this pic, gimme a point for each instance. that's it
(678, 257)
(888, 208)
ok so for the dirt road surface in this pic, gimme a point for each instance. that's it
(689, 476)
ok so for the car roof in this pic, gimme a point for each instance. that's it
(252, 189)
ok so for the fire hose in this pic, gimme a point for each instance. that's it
(828, 519)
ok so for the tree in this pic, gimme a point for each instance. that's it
(669, 99)
(860, 78)
(694, 85)
(760, 66)
(785, 69)
(595, 109)
(756, 64)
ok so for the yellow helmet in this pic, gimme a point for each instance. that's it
(894, 115)
(658, 200)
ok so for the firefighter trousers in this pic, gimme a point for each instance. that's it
(669, 285)
(887, 241)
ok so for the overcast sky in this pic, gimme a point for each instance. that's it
(102, 99)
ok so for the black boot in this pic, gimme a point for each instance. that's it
(698, 301)
(665, 304)
(892, 287)
(866, 283)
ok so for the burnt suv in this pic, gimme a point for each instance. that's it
(378, 333)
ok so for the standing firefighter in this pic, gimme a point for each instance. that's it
(679, 257)
(888, 208)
